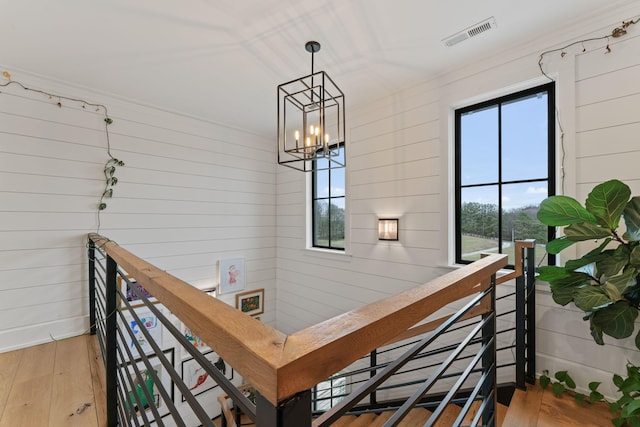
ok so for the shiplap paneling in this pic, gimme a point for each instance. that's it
(191, 193)
(211, 188)
(399, 163)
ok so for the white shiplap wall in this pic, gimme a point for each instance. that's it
(192, 192)
(393, 171)
(400, 160)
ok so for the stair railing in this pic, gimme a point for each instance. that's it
(128, 348)
(517, 320)
(282, 369)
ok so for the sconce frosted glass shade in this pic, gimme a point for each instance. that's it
(388, 229)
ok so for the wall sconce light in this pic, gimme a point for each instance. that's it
(388, 229)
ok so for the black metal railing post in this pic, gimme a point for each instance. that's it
(521, 328)
(294, 412)
(110, 361)
(373, 360)
(489, 360)
(91, 253)
(531, 315)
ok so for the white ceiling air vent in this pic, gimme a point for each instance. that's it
(472, 31)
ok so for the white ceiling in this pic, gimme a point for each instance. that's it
(222, 60)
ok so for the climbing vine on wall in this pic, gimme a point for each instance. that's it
(111, 164)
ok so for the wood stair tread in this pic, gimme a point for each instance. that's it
(473, 410)
(344, 421)
(381, 419)
(415, 417)
(363, 420)
(448, 416)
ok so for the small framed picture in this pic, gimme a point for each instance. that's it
(136, 399)
(126, 287)
(197, 379)
(194, 339)
(148, 321)
(251, 302)
(230, 275)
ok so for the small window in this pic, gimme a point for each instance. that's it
(328, 204)
(328, 393)
(505, 167)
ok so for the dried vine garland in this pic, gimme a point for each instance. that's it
(110, 165)
(615, 33)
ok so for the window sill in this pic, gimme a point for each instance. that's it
(329, 254)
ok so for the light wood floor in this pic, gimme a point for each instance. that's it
(61, 384)
(52, 385)
(541, 408)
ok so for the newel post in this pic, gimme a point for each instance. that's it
(293, 412)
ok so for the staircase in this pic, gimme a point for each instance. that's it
(532, 408)
(417, 417)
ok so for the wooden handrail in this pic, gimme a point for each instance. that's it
(517, 272)
(477, 311)
(279, 366)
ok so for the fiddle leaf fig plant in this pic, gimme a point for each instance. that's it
(604, 282)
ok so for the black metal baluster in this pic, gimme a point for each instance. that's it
(531, 315)
(489, 360)
(521, 327)
(111, 363)
(91, 252)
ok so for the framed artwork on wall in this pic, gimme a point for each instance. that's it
(197, 379)
(194, 339)
(126, 288)
(148, 321)
(231, 275)
(136, 401)
(251, 302)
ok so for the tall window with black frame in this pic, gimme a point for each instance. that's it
(328, 197)
(505, 167)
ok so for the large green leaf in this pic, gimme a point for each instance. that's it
(632, 409)
(590, 298)
(557, 245)
(607, 201)
(596, 333)
(548, 273)
(631, 216)
(586, 231)
(563, 210)
(562, 296)
(617, 286)
(634, 258)
(616, 320)
(589, 258)
(613, 261)
(574, 279)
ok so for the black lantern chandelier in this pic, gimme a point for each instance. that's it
(311, 130)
